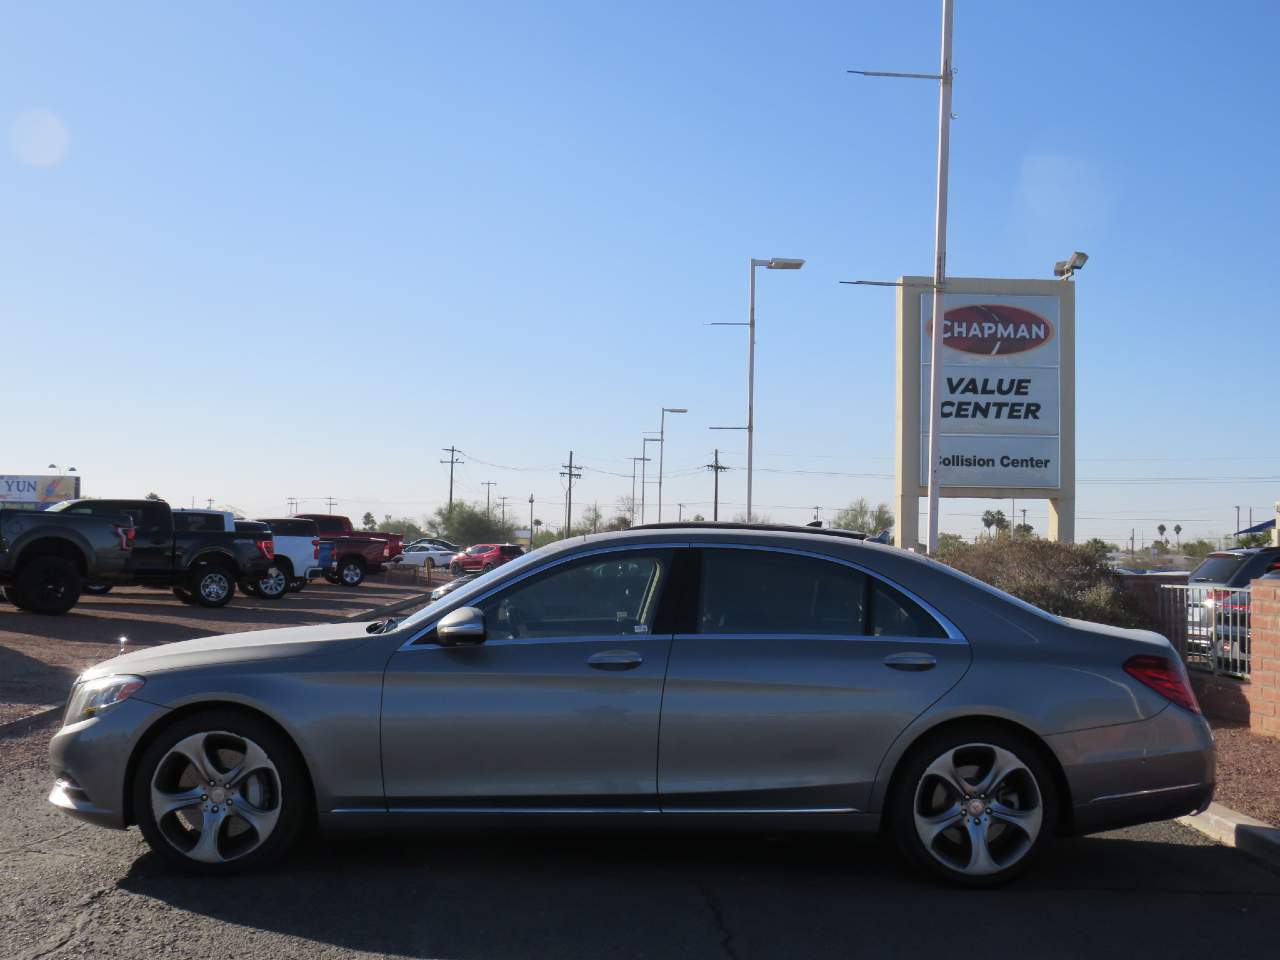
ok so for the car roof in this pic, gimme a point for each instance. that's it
(754, 527)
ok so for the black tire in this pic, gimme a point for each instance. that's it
(455, 569)
(351, 572)
(287, 792)
(247, 587)
(97, 589)
(183, 594)
(48, 585)
(212, 585)
(1029, 791)
(273, 587)
(332, 578)
(297, 584)
(10, 593)
(486, 568)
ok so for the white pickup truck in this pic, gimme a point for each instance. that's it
(297, 553)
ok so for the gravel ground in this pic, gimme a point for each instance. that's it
(1248, 772)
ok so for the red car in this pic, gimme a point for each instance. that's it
(484, 557)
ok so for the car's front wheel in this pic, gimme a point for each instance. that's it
(351, 573)
(213, 586)
(974, 804)
(274, 585)
(221, 791)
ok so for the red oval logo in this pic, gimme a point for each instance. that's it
(994, 329)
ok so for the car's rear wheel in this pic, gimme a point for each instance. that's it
(274, 585)
(974, 804)
(49, 585)
(221, 791)
(455, 569)
(486, 568)
(213, 585)
(351, 572)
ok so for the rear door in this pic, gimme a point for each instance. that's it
(796, 675)
(152, 553)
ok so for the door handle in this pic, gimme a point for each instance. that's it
(615, 660)
(914, 662)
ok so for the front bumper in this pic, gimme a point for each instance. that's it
(90, 759)
(1130, 773)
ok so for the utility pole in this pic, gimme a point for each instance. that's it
(1237, 537)
(680, 512)
(816, 511)
(488, 491)
(531, 521)
(332, 503)
(1237, 512)
(647, 441)
(502, 505)
(716, 469)
(573, 473)
(1132, 533)
(634, 461)
(453, 461)
(944, 78)
(1024, 518)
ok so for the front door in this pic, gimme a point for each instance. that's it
(557, 707)
(799, 674)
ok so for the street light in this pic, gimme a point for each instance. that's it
(54, 466)
(1066, 269)
(643, 461)
(662, 445)
(531, 523)
(634, 461)
(773, 263)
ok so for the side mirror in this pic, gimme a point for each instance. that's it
(460, 628)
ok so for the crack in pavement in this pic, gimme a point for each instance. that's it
(717, 917)
(68, 931)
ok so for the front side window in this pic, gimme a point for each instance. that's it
(603, 596)
(478, 549)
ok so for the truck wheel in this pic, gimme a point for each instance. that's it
(213, 586)
(351, 572)
(331, 577)
(10, 593)
(49, 585)
(273, 586)
(97, 589)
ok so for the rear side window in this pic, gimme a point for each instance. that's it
(756, 591)
(511, 551)
(292, 528)
(762, 592)
(198, 522)
(1218, 568)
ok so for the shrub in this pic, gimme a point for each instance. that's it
(1062, 578)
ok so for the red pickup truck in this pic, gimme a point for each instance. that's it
(355, 552)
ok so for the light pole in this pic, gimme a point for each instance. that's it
(773, 263)
(61, 472)
(662, 445)
(634, 461)
(531, 521)
(647, 441)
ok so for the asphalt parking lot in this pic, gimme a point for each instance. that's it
(67, 889)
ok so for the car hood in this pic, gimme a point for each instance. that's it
(235, 648)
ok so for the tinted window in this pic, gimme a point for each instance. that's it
(511, 551)
(893, 614)
(198, 522)
(595, 597)
(1217, 568)
(756, 591)
(292, 528)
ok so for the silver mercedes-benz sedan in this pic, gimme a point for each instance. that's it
(668, 673)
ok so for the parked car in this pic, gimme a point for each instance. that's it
(683, 672)
(484, 557)
(188, 550)
(297, 553)
(424, 555)
(193, 518)
(1218, 602)
(434, 541)
(46, 556)
(449, 586)
(355, 553)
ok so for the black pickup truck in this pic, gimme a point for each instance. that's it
(45, 557)
(192, 552)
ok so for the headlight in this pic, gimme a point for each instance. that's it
(92, 697)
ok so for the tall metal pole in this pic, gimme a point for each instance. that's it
(531, 521)
(716, 468)
(939, 280)
(662, 447)
(647, 441)
(488, 489)
(453, 461)
(633, 490)
(751, 378)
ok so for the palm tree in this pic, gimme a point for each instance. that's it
(989, 520)
(1161, 529)
(1177, 532)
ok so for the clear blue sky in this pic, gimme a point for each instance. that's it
(271, 250)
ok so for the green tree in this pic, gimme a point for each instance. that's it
(948, 542)
(699, 518)
(1198, 549)
(1160, 529)
(409, 529)
(154, 496)
(1024, 530)
(368, 522)
(862, 517)
(468, 524)
(1177, 533)
(755, 518)
(996, 519)
(592, 519)
(1099, 550)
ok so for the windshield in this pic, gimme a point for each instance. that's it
(461, 596)
(1218, 568)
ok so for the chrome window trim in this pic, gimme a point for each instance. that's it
(953, 633)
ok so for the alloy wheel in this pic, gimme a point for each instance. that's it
(216, 796)
(351, 573)
(274, 584)
(214, 586)
(978, 809)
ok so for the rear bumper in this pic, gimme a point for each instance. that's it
(1156, 769)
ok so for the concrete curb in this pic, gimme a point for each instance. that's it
(1237, 830)
(30, 720)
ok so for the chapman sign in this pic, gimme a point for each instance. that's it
(1006, 409)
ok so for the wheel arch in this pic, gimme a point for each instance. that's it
(168, 719)
(212, 556)
(52, 546)
(1045, 752)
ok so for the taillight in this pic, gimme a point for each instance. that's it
(1166, 677)
(127, 535)
(315, 549)
(386, 550)
(267, 548)
(1218, 596)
